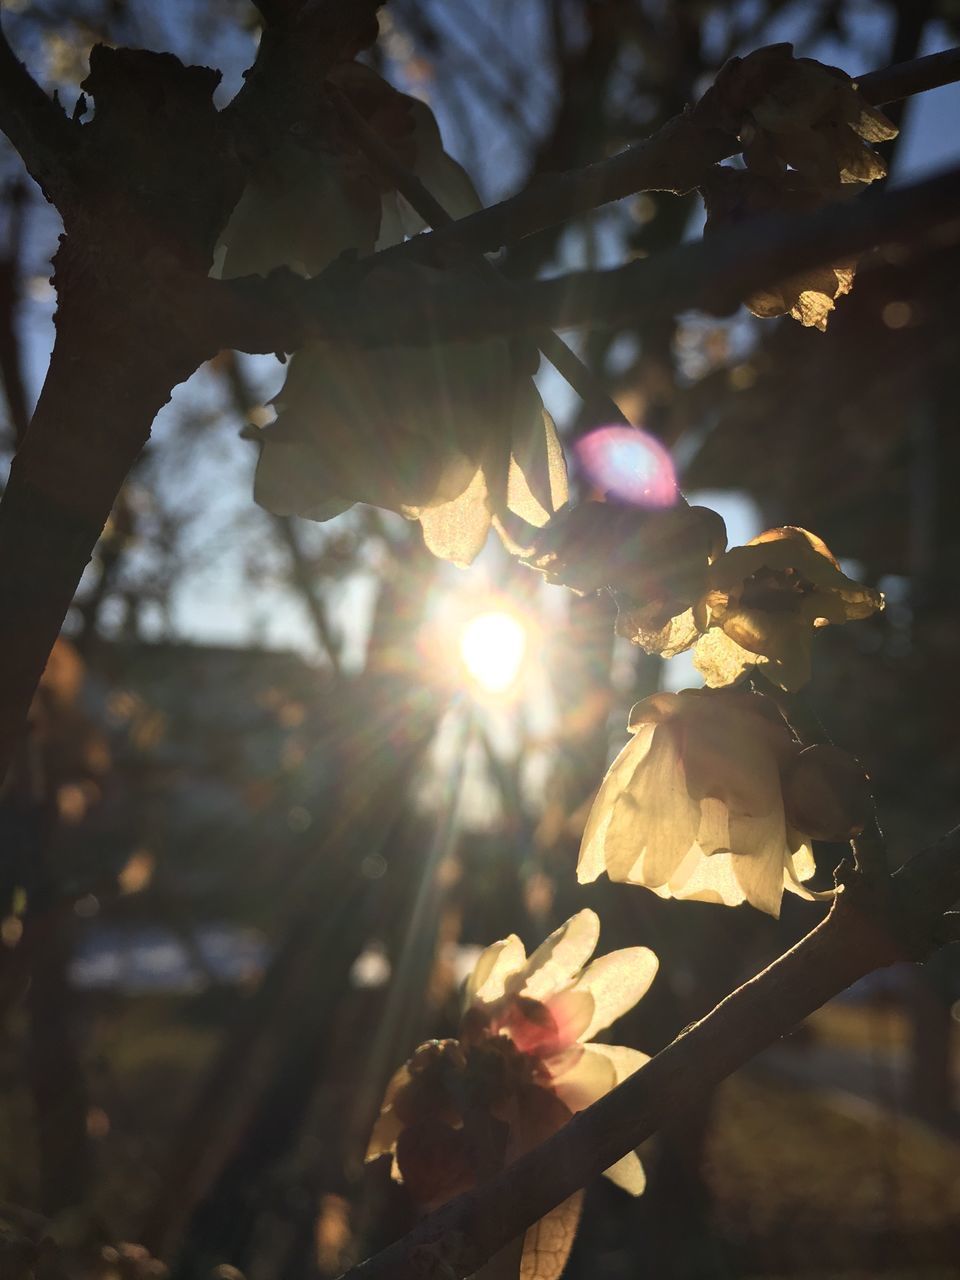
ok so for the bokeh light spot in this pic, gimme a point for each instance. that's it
(628, 465)
(492, 647)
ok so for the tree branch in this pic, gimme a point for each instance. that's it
(904, 79)
(674, 159)
(865, 930)
(36, 126)
(361, 303)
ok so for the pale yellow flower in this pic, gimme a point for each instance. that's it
(764, 601)
(693, 806)
(524, 1063)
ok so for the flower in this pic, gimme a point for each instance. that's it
(763, 602)
(460, 1109)
(694, 805)
(453, 435)
(654, 561)
(806, 135)
(449, 434)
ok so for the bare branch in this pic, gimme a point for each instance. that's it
(891, 84)
(675, 159)
(365, 304)
(864, 930)
(36, 125)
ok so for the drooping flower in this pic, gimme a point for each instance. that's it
(453, 435)
(459, 1110)
(703, 803)
(807, 138)
(764, 601)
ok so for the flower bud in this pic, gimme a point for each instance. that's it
(826, 794)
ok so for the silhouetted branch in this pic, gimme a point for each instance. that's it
(35, 124)
(904, 79)
(866, 929)
(360, 303)
(675, 158)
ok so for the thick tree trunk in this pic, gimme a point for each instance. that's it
(108, 378)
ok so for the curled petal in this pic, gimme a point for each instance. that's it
(386, 1131)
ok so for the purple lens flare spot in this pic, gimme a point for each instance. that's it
(628, 465)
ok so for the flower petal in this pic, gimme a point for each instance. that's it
(537, 478)
(383, 1139)
(457, 530)
(616, 982)
(665, 817)
(702, 879)
(628, 1174)
(760, 876)
(800, 866)
(494, 967)
(720, 660)
(625, 1061)
(557, 960)
(603, 847)
(591, 1076)
(547, 1244)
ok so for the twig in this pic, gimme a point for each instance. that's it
(566, 361)
(905, 79)
(863, 931)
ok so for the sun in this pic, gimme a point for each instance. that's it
(493, 646)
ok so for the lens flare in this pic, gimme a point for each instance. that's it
(493, 646)
(628, 465)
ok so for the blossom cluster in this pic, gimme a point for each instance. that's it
(524, 1063)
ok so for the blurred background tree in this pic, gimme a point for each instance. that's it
(267, 816)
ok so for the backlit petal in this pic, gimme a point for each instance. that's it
(457, 530)
(591, 1077)
(628, 1174)
(557, 960)
(494, 966)
(616, 982)
(625, 1061)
